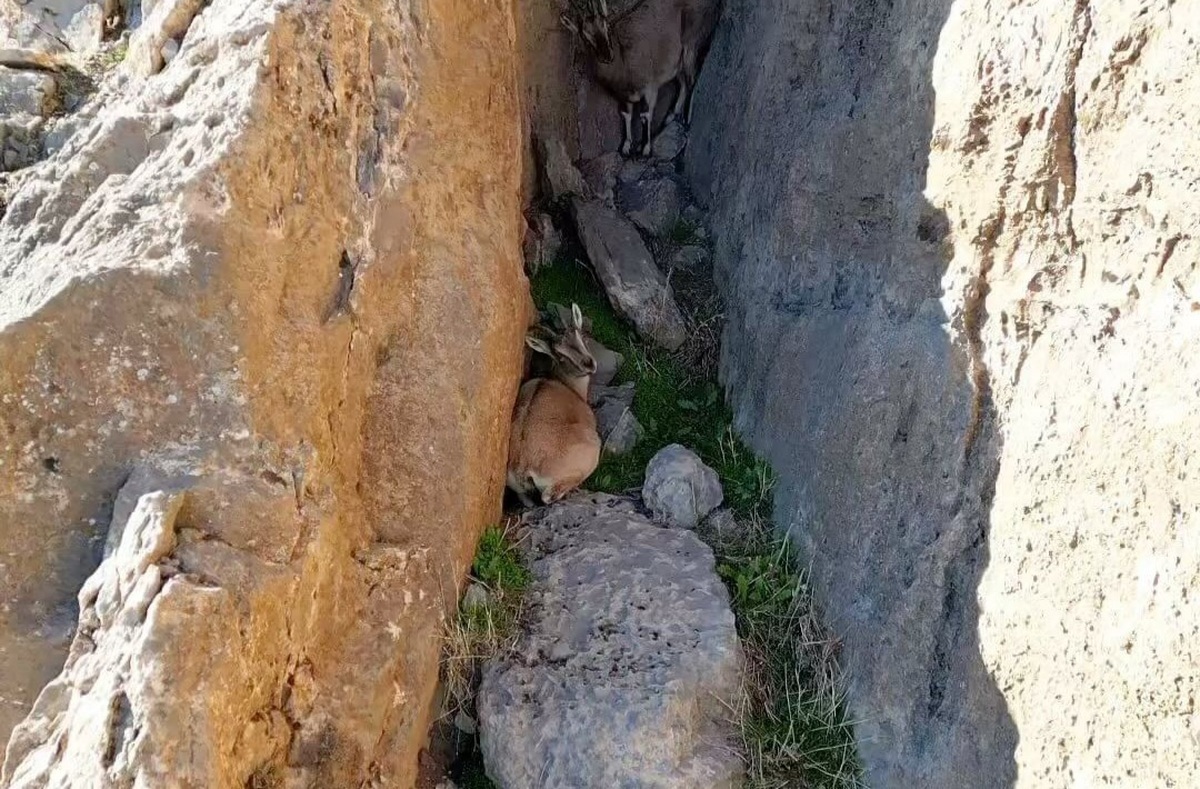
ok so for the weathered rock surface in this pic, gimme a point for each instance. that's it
(601, 174)
(283, 275)
(634, 285)
(620, 674)
(615, 422)
(25, 92)
(957, 244)
(542, 243)
(138, 703)
(608, 362)
(622, 394)
(651, 203)
(688, 258)
(670, 141)
(625, 433)
(58, 26)
(679, 488)
(156, 39)
(560, 178)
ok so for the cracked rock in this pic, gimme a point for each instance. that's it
(625, 664)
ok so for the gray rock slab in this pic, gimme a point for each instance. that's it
(560, 177)
(634, 285)
(626, 661)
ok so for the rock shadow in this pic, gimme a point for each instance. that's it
(813, 129)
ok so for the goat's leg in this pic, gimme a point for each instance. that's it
(648, 121)
(681, 98)
(626, 128)
(690, 63)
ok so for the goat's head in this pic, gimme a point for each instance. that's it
(589, 20)
(568, 349)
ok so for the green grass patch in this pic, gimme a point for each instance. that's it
(113, 56)
(685, 232)
(793, 723)
(497, 564)
(673, 403)
(792, 720)
(481, 630)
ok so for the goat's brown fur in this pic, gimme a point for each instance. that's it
(554, 446)
(657, 42)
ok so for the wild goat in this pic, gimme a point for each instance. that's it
(642, 49)
(554, 445)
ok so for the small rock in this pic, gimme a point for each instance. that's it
(688, 257)
(447, 784)
(26, 93)
(625, 434)
(465, 723)
(679, 489)
(631, 170)
(601, 174)
(476, 596)
(608, 415)
(619, 429)
(608, 362)
(652, 204)
(58, 134)
(561, 178)
(670, 142)
(635, 286)
(169, 50)
(623, 394)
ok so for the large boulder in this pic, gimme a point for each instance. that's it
(958, 245)
(283, 276)
(634, 285)
(627, 659)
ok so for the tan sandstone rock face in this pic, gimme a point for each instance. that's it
(1067, 171)
(276, 285)
(958, 241)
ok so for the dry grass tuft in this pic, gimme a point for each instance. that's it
(487, 628)
(792, 716)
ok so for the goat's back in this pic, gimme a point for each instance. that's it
(553, 433)
(648, 45)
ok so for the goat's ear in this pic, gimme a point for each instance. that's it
(569, 23)
(577, 314)
(539, 345)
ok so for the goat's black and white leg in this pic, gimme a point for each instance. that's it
(648, 122)
(687, 93)
(682, 96)
(626, 127)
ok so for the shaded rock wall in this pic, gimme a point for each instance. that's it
(280, 279)
(957, 244)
